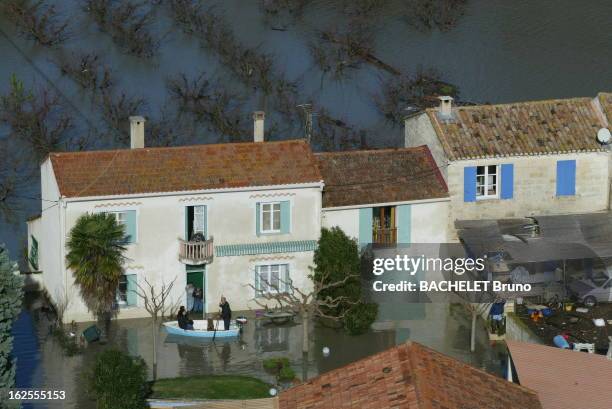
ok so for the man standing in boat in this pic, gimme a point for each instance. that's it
(226, 313)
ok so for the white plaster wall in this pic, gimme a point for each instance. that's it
(49, 233)
(231, 220)
(535, 187)
(430, 222)
(346, 219)
(418, 131)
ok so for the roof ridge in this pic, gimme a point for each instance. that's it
(505, 104)
(168, 148)
(364, 151)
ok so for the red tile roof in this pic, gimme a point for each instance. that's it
(408, 376)
(523, 128)
(199, 167)
(380, 176)
(564, 379)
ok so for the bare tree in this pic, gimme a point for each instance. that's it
(36, 20)
(308, 304)
(87, 70)
(156, 303)
(127, 23)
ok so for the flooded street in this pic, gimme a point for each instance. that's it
(42, 363)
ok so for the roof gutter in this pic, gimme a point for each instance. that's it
(318, 185)
(422, 201)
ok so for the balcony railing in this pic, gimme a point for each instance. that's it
(196, 252)
(384, 236)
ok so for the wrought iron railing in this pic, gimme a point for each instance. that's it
(384, 236)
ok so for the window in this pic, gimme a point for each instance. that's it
(270, 217)
(122, 290)
(127, 218)
(272, 278)
(487, 182)
(126, 291)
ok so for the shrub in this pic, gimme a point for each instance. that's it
(119, 381)
(280, 368)
(359, 318)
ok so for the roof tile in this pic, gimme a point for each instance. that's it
(199, 167)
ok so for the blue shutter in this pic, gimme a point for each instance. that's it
(286, 278)
(285, 217)
(566, 178)
(365, 226)
(130, 226)
(469, 184)
(132, 297)
(257, 283)
(257, 217)
(404, 228)
(507, 181)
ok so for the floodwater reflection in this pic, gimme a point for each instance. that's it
(442, 327)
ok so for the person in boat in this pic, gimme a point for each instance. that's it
(183, 319)
(226, 313)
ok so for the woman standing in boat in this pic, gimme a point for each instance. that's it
(226, 313)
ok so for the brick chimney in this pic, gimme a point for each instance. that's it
(446, 106)
(137, 124)
(258, 126)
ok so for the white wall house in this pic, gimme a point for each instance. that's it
(520, 159)
(256, 205)
(385, 196)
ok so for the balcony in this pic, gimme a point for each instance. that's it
(196, 252)
(386, 236)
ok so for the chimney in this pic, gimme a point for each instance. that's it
(446, 106)
(258, 126)
(137, 132)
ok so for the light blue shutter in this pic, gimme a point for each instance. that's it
(257, 217)
(285, 216)
(566, 178)
(132, 297)
(130, 226)
(404, 227)
(365, 226)
(469, 184)
(507, 181)
(286, 278)
(257, 283)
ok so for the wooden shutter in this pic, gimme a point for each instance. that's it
(469, 184)
(404, 229)
(257, 283)
(566, 178)
(130, 226)
(365, 226)
(285, 212)
(132, 297)
(257, 218)
(507, 181)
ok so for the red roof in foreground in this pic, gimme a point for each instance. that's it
(408, 376)
(199, 167)
(563, 379)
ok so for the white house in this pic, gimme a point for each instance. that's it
(385, 196)
(520, 159)
(255, 206)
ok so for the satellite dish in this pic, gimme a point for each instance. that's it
(604, 136)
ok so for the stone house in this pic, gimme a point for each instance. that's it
(520, 159)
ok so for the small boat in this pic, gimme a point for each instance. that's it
(200, 329)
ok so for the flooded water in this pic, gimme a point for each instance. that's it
(42, 363)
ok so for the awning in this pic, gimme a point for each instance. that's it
(540, 238)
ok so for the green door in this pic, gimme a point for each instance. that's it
(196, 278)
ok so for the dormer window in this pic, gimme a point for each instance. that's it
(487, 182)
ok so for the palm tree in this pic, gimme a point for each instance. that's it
(95, 255)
